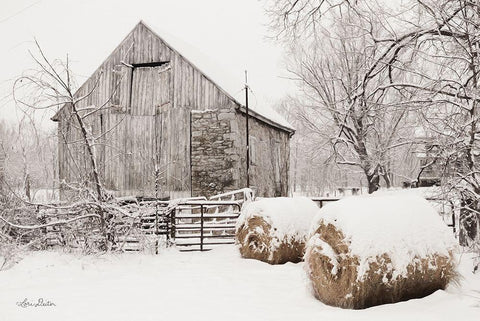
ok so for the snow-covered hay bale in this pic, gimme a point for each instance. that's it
(366, 251)
(275, 230)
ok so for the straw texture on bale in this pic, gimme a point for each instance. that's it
(342, 288)
(347, 280)
(264, 234)
(256, 242)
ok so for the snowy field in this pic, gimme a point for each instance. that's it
(215, 285)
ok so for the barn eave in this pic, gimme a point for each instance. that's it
(265, 120)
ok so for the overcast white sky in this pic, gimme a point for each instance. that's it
(230, 32)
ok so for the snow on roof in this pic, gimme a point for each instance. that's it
(232, 86)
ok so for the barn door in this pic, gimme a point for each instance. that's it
(150, 90)
(150, 93)
(173, 151)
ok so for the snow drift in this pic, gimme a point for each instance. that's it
(275, 230)
(370, 250)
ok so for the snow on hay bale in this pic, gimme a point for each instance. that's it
(366, 251)
(275, 230)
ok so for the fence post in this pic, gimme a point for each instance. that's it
(453, 219)
(172, 224)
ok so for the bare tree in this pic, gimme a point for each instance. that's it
(26, 157)
(451, 85)
(341, 72)
(93, 216)
(427, 52)
(291, 18)
(312, 170)
(51, 86)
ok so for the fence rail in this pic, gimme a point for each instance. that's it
(322, 200)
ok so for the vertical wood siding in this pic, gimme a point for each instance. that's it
(270, 166)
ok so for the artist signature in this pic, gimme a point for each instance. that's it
(26, 303)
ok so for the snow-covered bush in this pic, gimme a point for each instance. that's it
(10, 253)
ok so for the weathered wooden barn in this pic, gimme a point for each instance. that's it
(148, 107)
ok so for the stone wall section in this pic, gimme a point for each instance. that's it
(214, 152)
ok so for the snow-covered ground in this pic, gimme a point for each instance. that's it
(215, 285)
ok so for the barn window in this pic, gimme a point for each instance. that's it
(149, 88)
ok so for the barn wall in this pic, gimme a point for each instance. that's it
(135, 125)
(269, 156)
(219, 154)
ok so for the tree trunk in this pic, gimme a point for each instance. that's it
(387, 176)
(373, 180)
(468, 222)
(388, 181)
(91, 155)
(372, 173)
(105, 219)
(295, 169)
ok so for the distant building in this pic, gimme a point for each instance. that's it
(163, 112)
(431, 169)
(434, 167)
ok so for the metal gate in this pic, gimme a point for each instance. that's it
(195, 224)
(202, 225)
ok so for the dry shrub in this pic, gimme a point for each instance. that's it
(344, 289)
(10, 252)
(256, 242)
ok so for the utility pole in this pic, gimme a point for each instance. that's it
(247, 130)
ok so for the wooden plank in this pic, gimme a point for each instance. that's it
(141, 159)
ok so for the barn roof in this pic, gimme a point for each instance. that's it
(218, 76)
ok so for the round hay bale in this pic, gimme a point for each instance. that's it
(366, 251)
(275, 230)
